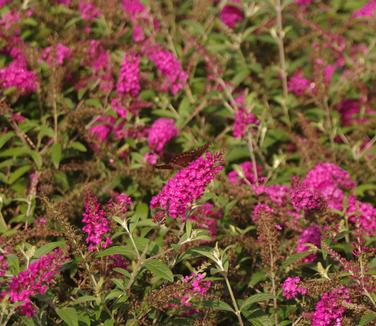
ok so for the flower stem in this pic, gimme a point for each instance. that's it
(237, 311)
(282, 58)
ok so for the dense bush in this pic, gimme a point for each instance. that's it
(192, 162)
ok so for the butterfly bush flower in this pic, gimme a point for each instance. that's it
(278, 194)
(231, 14)
(151, 158)
(303, 2)
(99, 60)
(363, 214)
(119, 204)
(242, 118)
(129, 76)
(117, 106)
(64, 2)
(3, 265)
(96, 224)
(368, 10)
(299, 85)
(206, 217)
(24, 80)
(330, 181)
(247, 170)
(169, 66)
(118, 261)
(311, 234)
(10, 19)
(138, 34)
(329, 310)
(306, 199)
(199, 288)
(160, 133)
(291, 289)
(188, 185)
(261, 209)
(3, 3)
(35, 280)
(103, 127)
(133, 7)
(88, 10)
(350, 109)
(56, 55)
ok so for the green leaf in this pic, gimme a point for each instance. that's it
(257, 277)
(367, 318)
(261, 321)
(47, 248)
(118, 250)
(159, 269)
(85, 298)
(56, 154)
(296, 257)
(37, 158)
(68, 315)
(207, 252)
(18, 173)
(218, 305)
(78, 146)
(256, 298)
(5, 137)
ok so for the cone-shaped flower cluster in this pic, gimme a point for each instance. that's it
(188, 185)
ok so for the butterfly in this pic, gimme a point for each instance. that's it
(183, 159)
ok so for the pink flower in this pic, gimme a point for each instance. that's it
(247, 169)
(34, 280)
(303, 2)
(25, 81)
(312, 235)
(188, 185)
(299, 85)
(120, 110)
(10, 19)
(18, 117)
(261, 209)
(242, 118)
(330, 181)
(306, 199)
(291, 289)
(350, 109)
(118, 261)
(99, 60)
(329, 310)
(206, 217)
(138, 34)
(169, 66)
(129, 76)
(3, 265)
(88, 10)
(103, 128)
(57, 55)
(278, 194)
(133, 7)
(160, 133)
(119, 204)
(368, 10)
(3, 3)
(230, 15)
(362, 213)
(151, 158)
(96, 224)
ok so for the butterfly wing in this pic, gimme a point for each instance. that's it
(183, 159)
